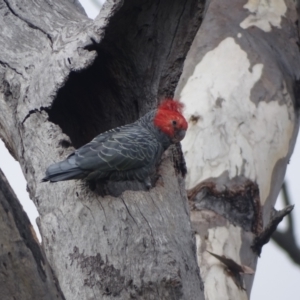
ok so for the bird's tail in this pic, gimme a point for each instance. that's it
(63, 170)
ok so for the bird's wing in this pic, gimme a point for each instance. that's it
(121, 149)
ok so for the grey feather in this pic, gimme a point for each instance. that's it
(129, 152)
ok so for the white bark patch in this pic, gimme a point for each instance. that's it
(222, 241)
(264, 13)
(227, 131)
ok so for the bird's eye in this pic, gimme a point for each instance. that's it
(174, 122)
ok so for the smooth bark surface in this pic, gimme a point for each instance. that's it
(64, 79)
(240, 84)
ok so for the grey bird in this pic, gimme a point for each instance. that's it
(129, 152)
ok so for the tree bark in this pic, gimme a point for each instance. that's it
(240, 85)
(64, 79)
(25, 273)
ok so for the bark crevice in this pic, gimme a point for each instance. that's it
(29, 23)
(236, 199)
(33, 111)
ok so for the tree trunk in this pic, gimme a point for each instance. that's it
(240, 85)
(64, 79)
(25, 273)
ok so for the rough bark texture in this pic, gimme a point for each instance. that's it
(64, 79)
(240, 84)
(24, 270)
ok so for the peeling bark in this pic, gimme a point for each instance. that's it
(236, 199)
(240, 85)
(64, 79)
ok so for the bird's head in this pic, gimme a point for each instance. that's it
(169, 120)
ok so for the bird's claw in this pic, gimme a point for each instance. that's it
(148, 184)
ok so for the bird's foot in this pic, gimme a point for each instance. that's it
(92, 185)
(99, 187)
(148, 184)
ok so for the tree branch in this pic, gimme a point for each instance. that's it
(264, 237)
(21, 256)
(287, 239)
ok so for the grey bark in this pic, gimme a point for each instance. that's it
(24, 271)
(64, 79)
